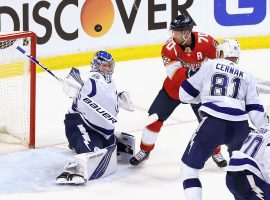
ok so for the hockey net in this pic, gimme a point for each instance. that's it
(17, 89)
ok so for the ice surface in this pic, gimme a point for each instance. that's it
(30, 174)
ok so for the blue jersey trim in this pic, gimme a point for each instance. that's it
(94, 88)
(190, 89)
(257, 107)
(243, 161)
(225, 110)
(107, 132)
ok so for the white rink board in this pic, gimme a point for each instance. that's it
(62, 31)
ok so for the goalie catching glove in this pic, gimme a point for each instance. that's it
(124, 101)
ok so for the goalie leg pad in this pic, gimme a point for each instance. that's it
(126, 147)
(100, 163)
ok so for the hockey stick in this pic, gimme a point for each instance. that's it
(75, 73)
(263, 82)
(106, 115)
(140, 124)
(38, 63)
(262, 89)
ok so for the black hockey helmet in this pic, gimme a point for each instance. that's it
(182, 23)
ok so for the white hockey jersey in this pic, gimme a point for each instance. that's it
(97, 104)
(225, 91)
(254, 154)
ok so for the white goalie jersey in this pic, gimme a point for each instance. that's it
(96, 100)
(254, 154)
(97, 103)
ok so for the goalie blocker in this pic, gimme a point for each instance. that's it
(97, 164)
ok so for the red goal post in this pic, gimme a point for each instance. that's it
(17, 89)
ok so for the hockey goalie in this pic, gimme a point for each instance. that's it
(90, 123)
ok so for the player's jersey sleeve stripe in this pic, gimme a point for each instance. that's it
(243, 161)
(94, 88)
(190, 89)
(257, 107)
(225, 110)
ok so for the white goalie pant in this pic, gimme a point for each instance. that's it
(94, 165)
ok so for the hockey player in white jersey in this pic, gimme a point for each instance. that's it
(90, 122)
(229, 98)
(248, 173)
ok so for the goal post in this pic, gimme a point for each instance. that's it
(17, 89)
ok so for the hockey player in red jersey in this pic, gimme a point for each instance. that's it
(182, 55)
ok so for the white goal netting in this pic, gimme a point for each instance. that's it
(14, 91)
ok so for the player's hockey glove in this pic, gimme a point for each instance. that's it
(191, 71)
(251, 130)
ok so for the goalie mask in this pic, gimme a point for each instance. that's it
(104, 64)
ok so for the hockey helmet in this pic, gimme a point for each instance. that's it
(182, 23)
(229, 47)
(103, 59)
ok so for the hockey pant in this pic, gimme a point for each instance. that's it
(81, 137)
(211, 133)
(246, 185)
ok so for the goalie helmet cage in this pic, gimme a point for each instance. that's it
(17, 88)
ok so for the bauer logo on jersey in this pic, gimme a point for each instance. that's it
(100, 110)
(166, 60)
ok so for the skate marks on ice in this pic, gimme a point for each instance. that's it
(33, 170)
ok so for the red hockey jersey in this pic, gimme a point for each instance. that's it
(202, 46)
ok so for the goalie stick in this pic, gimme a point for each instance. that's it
(75, 73)
(33, 59)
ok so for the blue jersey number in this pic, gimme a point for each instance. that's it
(220, 83)
(253, 145)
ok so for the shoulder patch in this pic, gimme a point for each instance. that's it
(96, 76)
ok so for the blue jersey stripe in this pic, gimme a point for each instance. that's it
(190, 89)
(94, 88)
(225, 110)
(243, 161)
(257, 107)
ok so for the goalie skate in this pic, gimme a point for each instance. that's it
(71, 179)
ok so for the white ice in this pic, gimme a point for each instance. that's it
(30, 174)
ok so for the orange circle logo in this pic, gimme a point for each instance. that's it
(97, 17)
